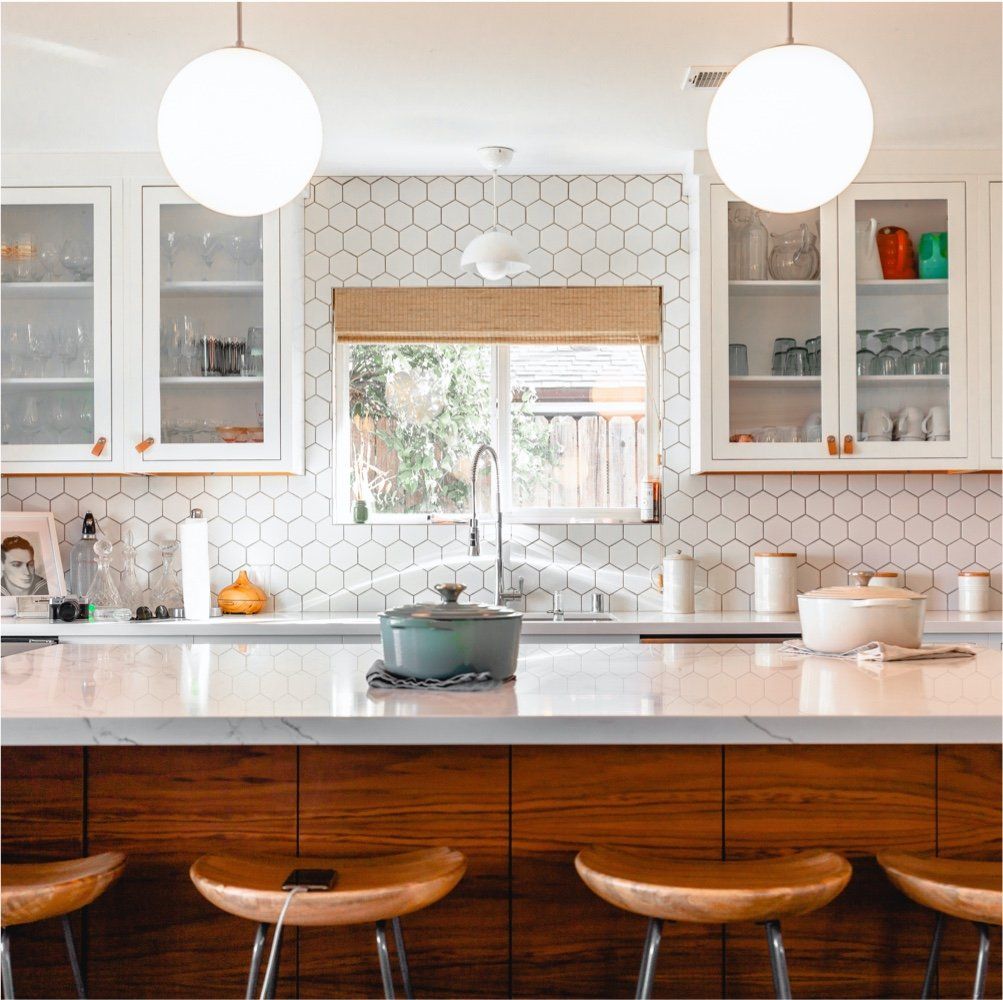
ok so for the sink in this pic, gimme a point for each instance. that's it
(569, 616)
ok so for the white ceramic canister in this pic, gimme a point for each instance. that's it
(973, 590)
(776, 583)
(886, 578)
(678, 583)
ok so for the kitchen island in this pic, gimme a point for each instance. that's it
(167, 750)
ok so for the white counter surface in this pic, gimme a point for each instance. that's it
(326, 624)
(220, 693)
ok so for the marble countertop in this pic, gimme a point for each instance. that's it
(254, 693)
(322, 623)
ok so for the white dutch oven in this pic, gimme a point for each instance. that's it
(838, 619)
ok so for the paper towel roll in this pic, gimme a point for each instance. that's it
(194, 536)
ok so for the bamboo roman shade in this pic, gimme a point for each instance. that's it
(592, 315)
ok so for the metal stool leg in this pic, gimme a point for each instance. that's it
(931, 962)
(8, 977)
(71, 950)
(983, 962)
(778, 960)
(384, 954)
(257, 950)
(402, 958)
(646, 978)
(272, 972)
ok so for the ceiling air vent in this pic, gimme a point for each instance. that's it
(705, 77)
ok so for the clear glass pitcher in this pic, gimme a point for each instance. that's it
(794, 256)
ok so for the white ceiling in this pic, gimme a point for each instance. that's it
(416, 87)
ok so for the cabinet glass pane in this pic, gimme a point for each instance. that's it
(903, 349)
(47, 342)
(211, 327)
(774, 324)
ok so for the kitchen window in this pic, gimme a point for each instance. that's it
(574, 424)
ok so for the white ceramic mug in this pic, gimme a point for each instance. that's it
(910, 423)
(876, 424)
(937, 424)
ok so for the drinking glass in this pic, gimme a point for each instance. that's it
(208, 247)
(915, 360)
(78, 259)
(51, 257)
(738, 359)
(768, 435)
(796, 361)
(59, 418)
(170, 246)
(251, 253)
(889, 359)
(67, 347)
(31, 422)
(86, 416)
(40, 348)
(939, 362)
(14, 349)
(865, 356)
(790, 433)
(85, 349)
(814, 346)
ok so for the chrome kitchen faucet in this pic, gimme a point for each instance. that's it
(501, 595)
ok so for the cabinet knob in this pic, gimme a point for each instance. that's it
(848, 444)
(831, 442)
(99, 446)
(144, 445)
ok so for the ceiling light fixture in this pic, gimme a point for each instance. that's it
(790, 127)
(495, 254)
(239, 131)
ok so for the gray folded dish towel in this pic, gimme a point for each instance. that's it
(379, 677)
(885, 652)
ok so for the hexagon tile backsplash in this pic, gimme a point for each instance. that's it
(578, 230)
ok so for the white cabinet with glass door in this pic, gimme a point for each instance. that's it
(904, 378)
(846, 370)
(57, 375)
(773, 352)
(221, 368)
(992, 320)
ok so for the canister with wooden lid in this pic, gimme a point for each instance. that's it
(776, 583)
(973, 590)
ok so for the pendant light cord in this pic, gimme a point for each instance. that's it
(790, 23)
(240, 25)
(494, 198)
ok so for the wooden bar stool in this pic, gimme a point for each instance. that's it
(713, 892)
(968, 890)
(377, 890)
(33, 892)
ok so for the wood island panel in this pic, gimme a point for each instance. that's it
(565, 940)
(364, 801)
(870, 941)
(154, 935)
(43, 820)
(969, 819)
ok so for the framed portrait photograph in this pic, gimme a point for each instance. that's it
(29, 557)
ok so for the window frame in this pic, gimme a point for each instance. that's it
(500, 440)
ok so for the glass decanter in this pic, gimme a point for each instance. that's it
(131, 591)
(103, 595)
(167, 589)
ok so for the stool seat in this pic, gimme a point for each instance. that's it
(366, 890)
(970, 890)
(713, 892)
(30, 892)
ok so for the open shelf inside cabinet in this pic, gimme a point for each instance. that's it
(903, 286)
(207, 289)
(69, 381)
(775, 381)
(774, 288)
(48, 289)
(214, 382)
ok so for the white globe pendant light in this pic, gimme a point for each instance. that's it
(239, 131)
(790, 127)
(495, 254)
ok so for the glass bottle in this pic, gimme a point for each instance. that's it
(131, 590)
(103, 595)
(754, 241)
(83, 562)
(167, 588)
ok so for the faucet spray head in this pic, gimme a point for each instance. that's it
(474, 548)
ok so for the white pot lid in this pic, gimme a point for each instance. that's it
(864, 594)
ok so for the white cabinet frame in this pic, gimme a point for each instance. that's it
(35, 459)
(990, 320)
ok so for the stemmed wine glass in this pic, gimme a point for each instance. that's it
(59, 417)
(85, 349)
(86, 416)
(50, 256)
(939, 363)
(78, 259)
(889, 359)
(865, 356)
(170, 245)
(14, 349)
(30, 420)
(40, 347)
(67, 347)
(208, 247)
(915, 360)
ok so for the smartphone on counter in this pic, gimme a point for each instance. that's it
(311, 879)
